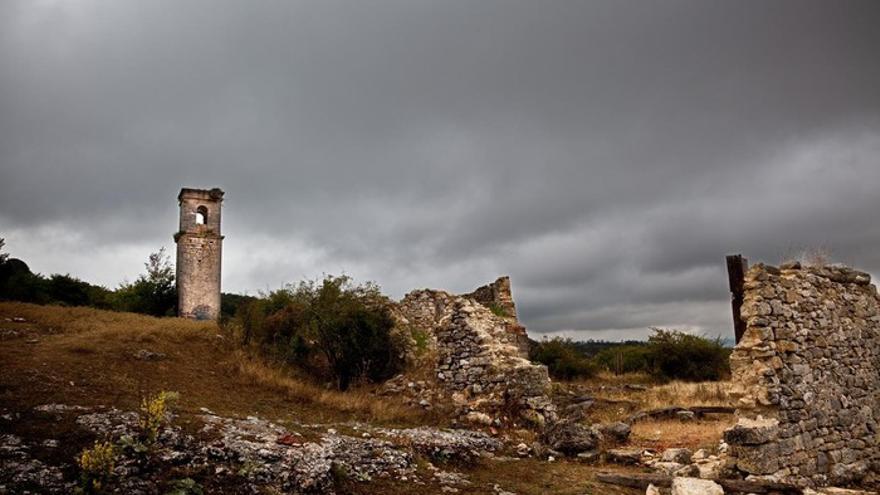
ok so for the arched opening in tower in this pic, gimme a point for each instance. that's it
(201, 215)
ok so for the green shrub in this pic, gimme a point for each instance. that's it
(625, 358)
(673, 354)
(153, 414)
(498, 310)
(562, 359)
(331, 328)
(96, 467)
(153, 293)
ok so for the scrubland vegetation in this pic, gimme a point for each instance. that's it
(667, 355)
(330, 329)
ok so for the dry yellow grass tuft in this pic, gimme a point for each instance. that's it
(280, 380)
(664, 434)
(674, 393)
(686, 394)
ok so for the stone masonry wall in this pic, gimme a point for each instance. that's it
(809, 368)
(497, 297)
(478, 354)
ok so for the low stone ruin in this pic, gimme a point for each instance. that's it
(808, 366)
(479, 351)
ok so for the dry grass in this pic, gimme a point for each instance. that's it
(357, 401)
(617, 400)
(684, 394)
(81, 319)
(675, 393)
(660, 435)
(86, 356)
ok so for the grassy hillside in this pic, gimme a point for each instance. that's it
(87, 357)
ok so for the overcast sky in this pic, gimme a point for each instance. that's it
(606, 155)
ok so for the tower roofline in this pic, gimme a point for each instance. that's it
(215, 194)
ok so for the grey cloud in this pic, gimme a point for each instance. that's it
(605, 154)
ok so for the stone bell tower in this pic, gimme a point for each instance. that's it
(199, 249)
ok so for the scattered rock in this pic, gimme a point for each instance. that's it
(667, 467)
(148, 355)
(463, 445)
(571, 438)
(685, 415)
(590, 456)
(479, 418)
(681, 456)
(652, 490)
(289, 439)
(623, 456)
(617, 432)
(695, 486)
(752, 431)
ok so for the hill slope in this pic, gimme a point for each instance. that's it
(70, 376)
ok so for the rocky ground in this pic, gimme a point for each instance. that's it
(242, 455)
(71, 377)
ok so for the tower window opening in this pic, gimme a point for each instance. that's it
(201, 215)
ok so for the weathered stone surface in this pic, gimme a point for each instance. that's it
(199, 253)
(623, 456)
(479, 352)
(571, 438)
(752, 431)
(260, 456)
(695, 486)
(809, 361)
(681, 456)
(837, 491)
(616, 432)
(667, 467)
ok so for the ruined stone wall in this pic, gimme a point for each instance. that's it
(809, 365)
(497, 297)
(478, 354)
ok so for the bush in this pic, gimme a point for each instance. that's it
(153, 293)
(331, 328)
(625, 358)
(562, 358)
(153, 414)
(677, 355)
(97, 465)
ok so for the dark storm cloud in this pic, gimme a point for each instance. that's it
(605, 154)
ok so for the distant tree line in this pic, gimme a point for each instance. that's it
(154, 292)
(667, 355)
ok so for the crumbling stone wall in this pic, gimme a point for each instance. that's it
(479, 357)
(808, 366)
(497, 297)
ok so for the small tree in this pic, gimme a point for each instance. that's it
(152, 293)
(351, 327)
